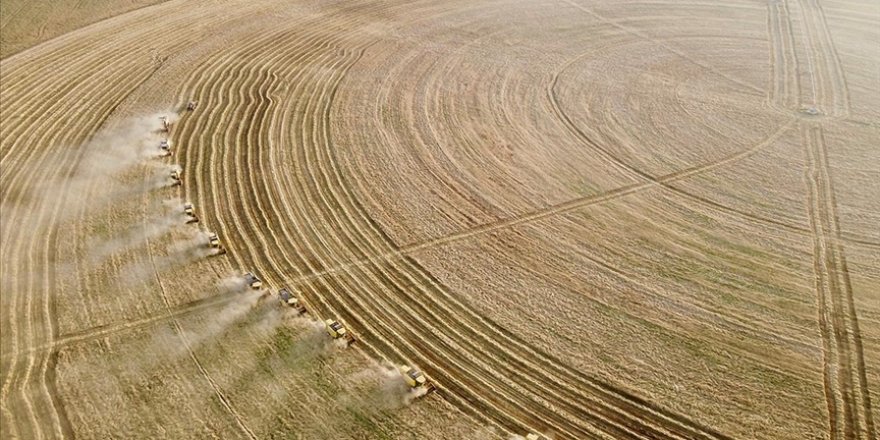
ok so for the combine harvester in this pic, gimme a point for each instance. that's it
(252, 281)
(292, 301)
(165, 146)
(417, 381)
(190, 212)
(190, 106)
(214, 242)
(338, 331)
(166, 126)
(175, 178)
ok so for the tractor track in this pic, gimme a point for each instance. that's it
(846, 388)
(845, 379)
(784, 92)
(830, 92)
(107, 330)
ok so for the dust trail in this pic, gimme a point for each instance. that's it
(135, 236)
(165, 343)
(386, 389)
(271, 316)
(99, 177)
(232, 284)
(220, 321)
(192, 246)
(313, 342)
(108, 156)
(159, 177)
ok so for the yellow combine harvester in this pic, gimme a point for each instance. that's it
(292, 301)
(416, 379)
(214, 242)
(338, 331)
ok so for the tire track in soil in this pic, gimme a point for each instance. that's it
(550, 211)
(582, 202)
(106, 330)
(830, 92)
(784, 91)
(181, 334)
(658, 42)
(618, 163)
(845, 379)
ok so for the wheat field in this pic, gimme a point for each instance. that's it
(579, 218)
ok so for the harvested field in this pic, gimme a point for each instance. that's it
(581, 218)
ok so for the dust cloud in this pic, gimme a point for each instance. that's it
(136, 235)
(386, 388)
(97, 179)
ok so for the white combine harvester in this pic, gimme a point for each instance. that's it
(166, 125)
(175, 178)
(165, 146)
(190, 212)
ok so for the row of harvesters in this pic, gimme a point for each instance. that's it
(415, 379)
(165, 144)
(176, 176)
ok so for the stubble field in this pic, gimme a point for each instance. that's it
(587, 219)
